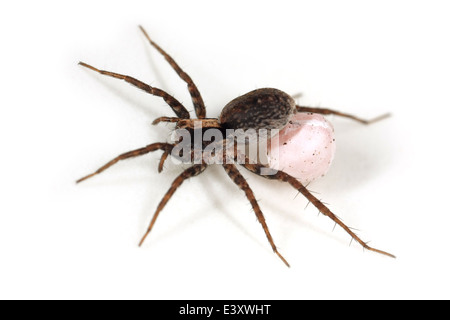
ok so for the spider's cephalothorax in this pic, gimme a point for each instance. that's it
(259, 109)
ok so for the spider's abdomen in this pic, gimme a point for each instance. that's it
(265, 108)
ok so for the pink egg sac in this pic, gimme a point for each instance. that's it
(304, 148)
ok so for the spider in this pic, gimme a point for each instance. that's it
(265, 108)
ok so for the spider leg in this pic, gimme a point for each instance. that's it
(281, 176)
(197, 100)
(162, 160)
(130, 154)
(176, 106)
(341, 114)
(240, 181)
(186, 174)
(165, 119)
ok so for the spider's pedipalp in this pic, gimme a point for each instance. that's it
(197, 99)
(162, 160)
(282, 176)
(131, 154)
(165, 119)
(193, 171)
(341, 114)
(240, 181)
(176, 106)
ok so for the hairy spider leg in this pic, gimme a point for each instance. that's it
(240, 181)
(176, 106)
(197, 99)
(193, 171)
(190, 123)
(166, 119)
(162, 160)
(167, 147)
(281, 176)
(341, 114)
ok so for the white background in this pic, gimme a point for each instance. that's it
(59, 122)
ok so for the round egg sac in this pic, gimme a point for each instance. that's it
(304, 148)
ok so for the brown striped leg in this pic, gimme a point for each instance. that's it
(130, 154)
(188, 173)
(163, 159)
(190, 123)
(197, 100)
(176, 106)
(240, 181)
(341, 114)
(281, 176)
(165, 119)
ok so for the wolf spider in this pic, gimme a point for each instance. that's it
(262, 108)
